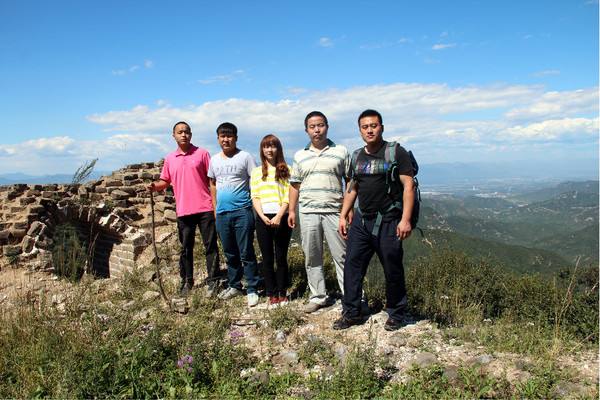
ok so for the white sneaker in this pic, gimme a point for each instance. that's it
(229, 293)
(252, 299)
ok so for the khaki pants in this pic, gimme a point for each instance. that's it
(313, 227)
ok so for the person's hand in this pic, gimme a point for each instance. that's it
(350, 216)
(403, 230)
(292, 219)
(266, 220)
(151, 187)
(276, 221)
(343, 228)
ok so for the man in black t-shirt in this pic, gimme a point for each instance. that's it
(379, 226)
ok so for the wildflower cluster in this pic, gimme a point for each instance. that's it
(185, 362)
(235, 336)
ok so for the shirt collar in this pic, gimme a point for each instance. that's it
(329, 144)
(178, 152)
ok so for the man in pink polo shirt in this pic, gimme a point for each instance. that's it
(185, 170)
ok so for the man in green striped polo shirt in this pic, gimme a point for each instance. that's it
(316, 184)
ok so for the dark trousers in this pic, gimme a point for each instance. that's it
(361, 246)
(274, 241)
(186, 227)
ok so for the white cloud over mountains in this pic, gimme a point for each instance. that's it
(443, 46)
(438, 121)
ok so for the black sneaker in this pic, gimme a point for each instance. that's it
(345, 323)
(392, 325)
(186, 289)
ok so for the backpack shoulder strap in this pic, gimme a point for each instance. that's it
(390, 152)
(352, 169)
(353, 162)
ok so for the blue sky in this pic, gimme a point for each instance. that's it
(455, 81)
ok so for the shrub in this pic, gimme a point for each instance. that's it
(453, 290)
(69, 252)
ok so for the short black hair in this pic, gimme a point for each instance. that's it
(314, 114)
(184, 123)
(370, 113)
(227, 127)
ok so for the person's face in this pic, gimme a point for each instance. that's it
(270, 152)
(182, 135)
(316, 128)
(370, 130)
(227, 141)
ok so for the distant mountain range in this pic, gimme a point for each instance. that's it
(429, 174)
(540, 230)
(10, 179)
(446, 173)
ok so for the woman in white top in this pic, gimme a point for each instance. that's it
(269, 186)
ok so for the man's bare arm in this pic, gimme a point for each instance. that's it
(213, 193)
(347, 212)
(294, 195)
(404, 228)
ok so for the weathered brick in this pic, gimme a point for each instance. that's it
(119, 195)
(27, 244)
(113, 182)
(26, 200)
(36, 228)
(12, 250)
(18, 233)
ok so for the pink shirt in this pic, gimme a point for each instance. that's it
(186, 172)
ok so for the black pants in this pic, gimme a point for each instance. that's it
(186, 227)
(274, 241)
(361, 246)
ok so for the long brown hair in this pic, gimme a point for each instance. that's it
(282, 171)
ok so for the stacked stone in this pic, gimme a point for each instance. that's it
(118, 205)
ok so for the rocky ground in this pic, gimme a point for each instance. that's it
(310, 337)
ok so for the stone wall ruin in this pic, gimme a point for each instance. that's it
(112, 213)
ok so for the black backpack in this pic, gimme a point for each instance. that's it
(394, 185)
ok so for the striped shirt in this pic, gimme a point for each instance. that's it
(271, 193)
(320, 177)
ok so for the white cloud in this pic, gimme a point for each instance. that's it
(427, 116)
(442, 46)
(556, 129)
(325, 42)
(63, 154)
(51, 145)
(133, 68)
(558, 104)
(546, 72)
(225, 78)
(438, 122)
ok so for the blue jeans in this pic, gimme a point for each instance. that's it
(236, 230)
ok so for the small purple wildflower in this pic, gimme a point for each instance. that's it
(185, 362)
(235, 336)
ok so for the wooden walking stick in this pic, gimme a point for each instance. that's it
(156, 259)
